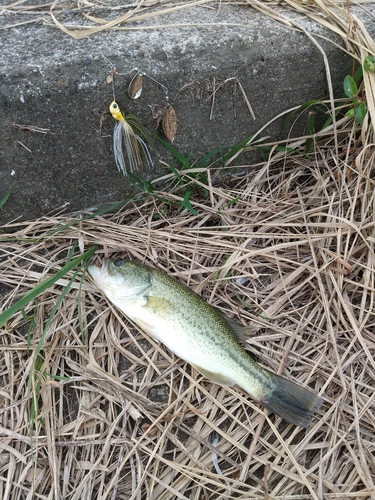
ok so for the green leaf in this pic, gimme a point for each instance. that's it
(37, 362)
(38, 289)
(369, 64)
(358, 75)
(350, 87)
(187, 163)
(350, 113)
(328, 122)
(360, 112)
(229, 203)
(56, 377)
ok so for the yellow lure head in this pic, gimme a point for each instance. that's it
(115, 111)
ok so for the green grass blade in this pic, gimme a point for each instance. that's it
(215, 151)
(179, 157)
(145, 187)
(175, 172)
(185, 203)
(235, 149)
(358, 75)
(305, 105)
(38, 289)
(310, 131)
(38, 361)
(4, 199)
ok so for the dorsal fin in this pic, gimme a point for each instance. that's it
(241, 332)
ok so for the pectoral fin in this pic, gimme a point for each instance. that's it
(158, 304)
(157, 308)
(218, 378)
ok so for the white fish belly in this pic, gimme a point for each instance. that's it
(179, 340)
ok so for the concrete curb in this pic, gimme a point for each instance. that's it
(51, 81)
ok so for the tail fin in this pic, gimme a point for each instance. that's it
(291, 401)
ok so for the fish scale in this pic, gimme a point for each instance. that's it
(172, 313)
(213, 337)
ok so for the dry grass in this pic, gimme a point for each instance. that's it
(288, 247)
(104, 413)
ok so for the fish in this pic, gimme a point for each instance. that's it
(170, 312)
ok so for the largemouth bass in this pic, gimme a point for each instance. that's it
(172, 313)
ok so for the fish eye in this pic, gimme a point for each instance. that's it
(119, 263)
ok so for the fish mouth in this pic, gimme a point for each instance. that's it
(104, 264)
(99, 271)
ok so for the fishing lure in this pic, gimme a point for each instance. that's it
(127, 137)
(128, 134)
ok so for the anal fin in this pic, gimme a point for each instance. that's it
(218, 378)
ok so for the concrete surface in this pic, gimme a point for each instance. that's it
(52, 81)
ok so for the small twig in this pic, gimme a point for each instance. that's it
(213, 99)
(266, 472)
(247, 102)
(216, 465)
(23, 145)
(34, 128)
(236, 80)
